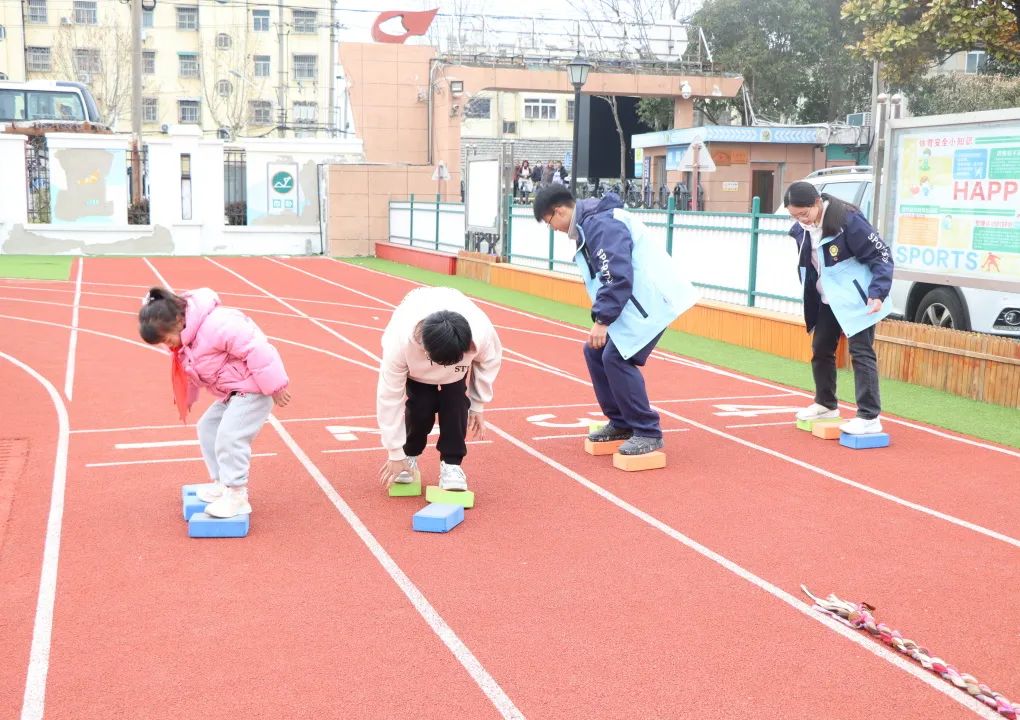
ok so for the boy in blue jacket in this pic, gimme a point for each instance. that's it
(636, 293)
(846, 270)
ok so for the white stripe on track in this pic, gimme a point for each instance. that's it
(34, 700)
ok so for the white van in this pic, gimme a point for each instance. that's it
(47, 101)
(952, 306)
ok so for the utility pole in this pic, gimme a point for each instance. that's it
(136, 100)
(281, 89)
(332, 68)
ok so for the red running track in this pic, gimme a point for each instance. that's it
(571, 591)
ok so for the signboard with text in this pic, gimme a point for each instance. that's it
(953, 200)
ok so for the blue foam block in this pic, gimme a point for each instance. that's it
(190, 490)
(202, 526)
(437, 517)
(193, 505)
(861, 442)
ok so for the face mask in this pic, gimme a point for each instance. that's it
(809, 227)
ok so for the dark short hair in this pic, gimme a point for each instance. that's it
(160, 313)
(446, 336)
(551, 197)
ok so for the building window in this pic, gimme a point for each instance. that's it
(148, 17)
(305, 113)
(261, 66)
(87, 62)
(224, 88)
(570, 111)
(85, 12)
(539, 109)
(509, 127)
(148, 62)
(260, 112)
(150, 110)
(478, 108)
(223, 41)
(37, 11)
(305, 21)
(305, 67)
(3, 76)
(187, 112)
(3, 32)
(39, 59)
(187, 18)
(260, 20)
(188, 63)
(976, 61)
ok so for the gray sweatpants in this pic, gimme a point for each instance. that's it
(225, 433)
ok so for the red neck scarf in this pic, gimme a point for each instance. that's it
(179, 381)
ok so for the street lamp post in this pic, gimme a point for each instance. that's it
(577, 70)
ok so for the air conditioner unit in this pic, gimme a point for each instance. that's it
(65, 21)
(860, 119)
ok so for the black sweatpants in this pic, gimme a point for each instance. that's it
(451, 403)
(862, 357)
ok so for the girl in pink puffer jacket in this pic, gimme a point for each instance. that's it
(222, 350)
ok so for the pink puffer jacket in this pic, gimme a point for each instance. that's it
(224, 351)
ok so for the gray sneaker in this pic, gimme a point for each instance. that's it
(609, 433)
(408, 475)
(638, 445)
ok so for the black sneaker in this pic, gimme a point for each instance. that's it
(638, 445)
(609, 433)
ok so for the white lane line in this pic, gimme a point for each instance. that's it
(775, 591)
(332, 282)
(380, 450)
(34, 700)
(162, 280)
(987, 532)
(792, 460)
(165, 460)
(848, 633)
(439, 626)
(584, 435)
(678, 360)
(135, 428)
(303, 314)
(160, 444)
(787, 423)
(72, 345)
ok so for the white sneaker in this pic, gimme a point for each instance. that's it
(233, 502)
(209, 492)
(814, 411)
(407, 476)
(860, 426)
(451, 477)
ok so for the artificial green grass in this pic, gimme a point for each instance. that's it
(933, 407)
(36, 267)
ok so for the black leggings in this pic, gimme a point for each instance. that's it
(451, 403)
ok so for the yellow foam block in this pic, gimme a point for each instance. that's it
(826, 431)
(635, 463)
(602, 448)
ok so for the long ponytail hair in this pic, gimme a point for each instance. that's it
(161, 312)
(804, 194)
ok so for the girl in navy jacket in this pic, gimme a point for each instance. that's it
(846, 270)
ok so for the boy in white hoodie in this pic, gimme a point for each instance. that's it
(441, 356)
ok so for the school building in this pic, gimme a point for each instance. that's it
(749, 160)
